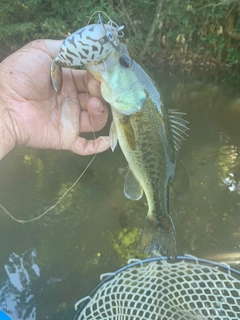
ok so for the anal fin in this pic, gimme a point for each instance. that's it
(132, 188)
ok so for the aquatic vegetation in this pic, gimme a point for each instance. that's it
(75, 202)
(126, 243)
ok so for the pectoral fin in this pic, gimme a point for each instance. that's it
(180, 182)
(113, 136)
(132, 188)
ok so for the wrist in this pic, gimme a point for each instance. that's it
(7, 136)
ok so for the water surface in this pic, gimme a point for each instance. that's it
(95, 229)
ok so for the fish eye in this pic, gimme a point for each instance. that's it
(125, 61)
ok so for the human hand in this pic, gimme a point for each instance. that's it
(32, 114)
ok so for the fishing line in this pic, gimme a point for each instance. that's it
(56, 203)
(53, 206)
(65, 193)
(96, 12)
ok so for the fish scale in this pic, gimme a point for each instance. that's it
(146, 166)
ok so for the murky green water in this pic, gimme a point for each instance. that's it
(95, 228)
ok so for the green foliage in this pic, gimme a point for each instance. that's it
(22, 22)
(233, 56)
(199, 27)
(186, 26)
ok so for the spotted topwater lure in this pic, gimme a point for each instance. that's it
(88, 44)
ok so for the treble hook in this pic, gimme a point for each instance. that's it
(104, 66)
(108, 34)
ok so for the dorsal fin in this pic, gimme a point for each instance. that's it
(179, 127)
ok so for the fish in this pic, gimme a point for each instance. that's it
(150, 137)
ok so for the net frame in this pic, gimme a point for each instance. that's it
(222, 305)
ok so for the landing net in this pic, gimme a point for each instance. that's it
(155, 288)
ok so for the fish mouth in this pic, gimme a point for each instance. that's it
(106, 62)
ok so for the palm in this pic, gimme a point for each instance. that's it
(42, 118)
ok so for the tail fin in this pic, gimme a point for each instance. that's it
(159, 234)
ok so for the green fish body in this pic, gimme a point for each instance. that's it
(145, 133)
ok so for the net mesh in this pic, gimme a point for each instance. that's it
(161, 290)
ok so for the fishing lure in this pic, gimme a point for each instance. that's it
(88, 44)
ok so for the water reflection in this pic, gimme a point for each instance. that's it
(230, 258)
(228, 164)
(16, 297)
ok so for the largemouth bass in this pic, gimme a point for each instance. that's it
(150, 137)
